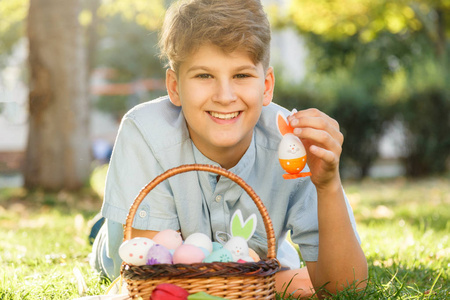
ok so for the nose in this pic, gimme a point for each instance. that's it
(224, 92)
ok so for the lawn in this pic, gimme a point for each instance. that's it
(404, 226)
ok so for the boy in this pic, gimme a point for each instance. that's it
(219, 111)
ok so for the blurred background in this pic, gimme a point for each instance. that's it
(70, 69)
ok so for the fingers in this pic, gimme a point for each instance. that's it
(316, 125)
(314, 112)
(327, 156)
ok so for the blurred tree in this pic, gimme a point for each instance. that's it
(58, 150)
(61, 58)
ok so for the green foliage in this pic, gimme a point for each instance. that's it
(12, 25)
(367, 57)
(420, 99)
(129, 49)
(117, 105)
(361, 122)
(427, 117)
(365, 19)
(147, 14)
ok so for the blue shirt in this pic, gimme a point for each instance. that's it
(153, 137)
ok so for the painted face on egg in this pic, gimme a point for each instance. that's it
(290, 147)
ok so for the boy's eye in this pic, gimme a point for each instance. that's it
(203, 76)
(241, 76)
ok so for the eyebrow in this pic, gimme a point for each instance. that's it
(204, 68)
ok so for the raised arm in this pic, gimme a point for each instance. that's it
(341, 260)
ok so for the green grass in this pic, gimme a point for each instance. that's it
(404, 226)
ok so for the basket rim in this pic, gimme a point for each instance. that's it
(271, 254)
(262, 268)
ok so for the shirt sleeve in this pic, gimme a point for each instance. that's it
(303, 221)
(131, 168)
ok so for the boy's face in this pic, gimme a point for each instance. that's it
(221, 95)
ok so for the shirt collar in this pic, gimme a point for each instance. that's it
(242, 168)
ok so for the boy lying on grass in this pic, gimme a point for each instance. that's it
(219, 111)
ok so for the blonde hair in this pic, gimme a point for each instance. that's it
(229, 24)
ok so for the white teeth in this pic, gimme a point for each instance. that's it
(224, 116)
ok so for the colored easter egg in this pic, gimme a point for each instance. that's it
(158, 254)
(169, 238)
(200, 240)
(134, 251)
(188, 254)
(221, 255)
(216, 246)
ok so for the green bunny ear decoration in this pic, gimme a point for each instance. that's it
(240, 228)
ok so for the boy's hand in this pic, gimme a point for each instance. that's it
(323, 140)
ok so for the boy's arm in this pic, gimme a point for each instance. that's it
(341, 260)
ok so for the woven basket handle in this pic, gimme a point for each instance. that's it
(213, 169)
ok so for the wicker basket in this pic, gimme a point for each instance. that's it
(231, 280)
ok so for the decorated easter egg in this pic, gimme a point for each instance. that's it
(169, 238)
(292, 154)
(188, 254)
(221, 255)
(134, 251)
(216, 246)
(200, 240)
(158, 254)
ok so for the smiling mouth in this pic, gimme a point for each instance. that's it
(227, 116)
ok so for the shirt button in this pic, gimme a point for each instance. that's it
(218, 198)
(142, 214)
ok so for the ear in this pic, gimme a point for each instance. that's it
(240, 228)
(172, 87)
(269, 83)
(283, 125)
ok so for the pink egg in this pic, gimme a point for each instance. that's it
(188, 254)
(169, 238)
(158, 254)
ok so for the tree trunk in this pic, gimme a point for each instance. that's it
(58, 153)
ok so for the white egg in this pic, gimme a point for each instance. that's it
(200, 240)
(134, 251)
(290, 147)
